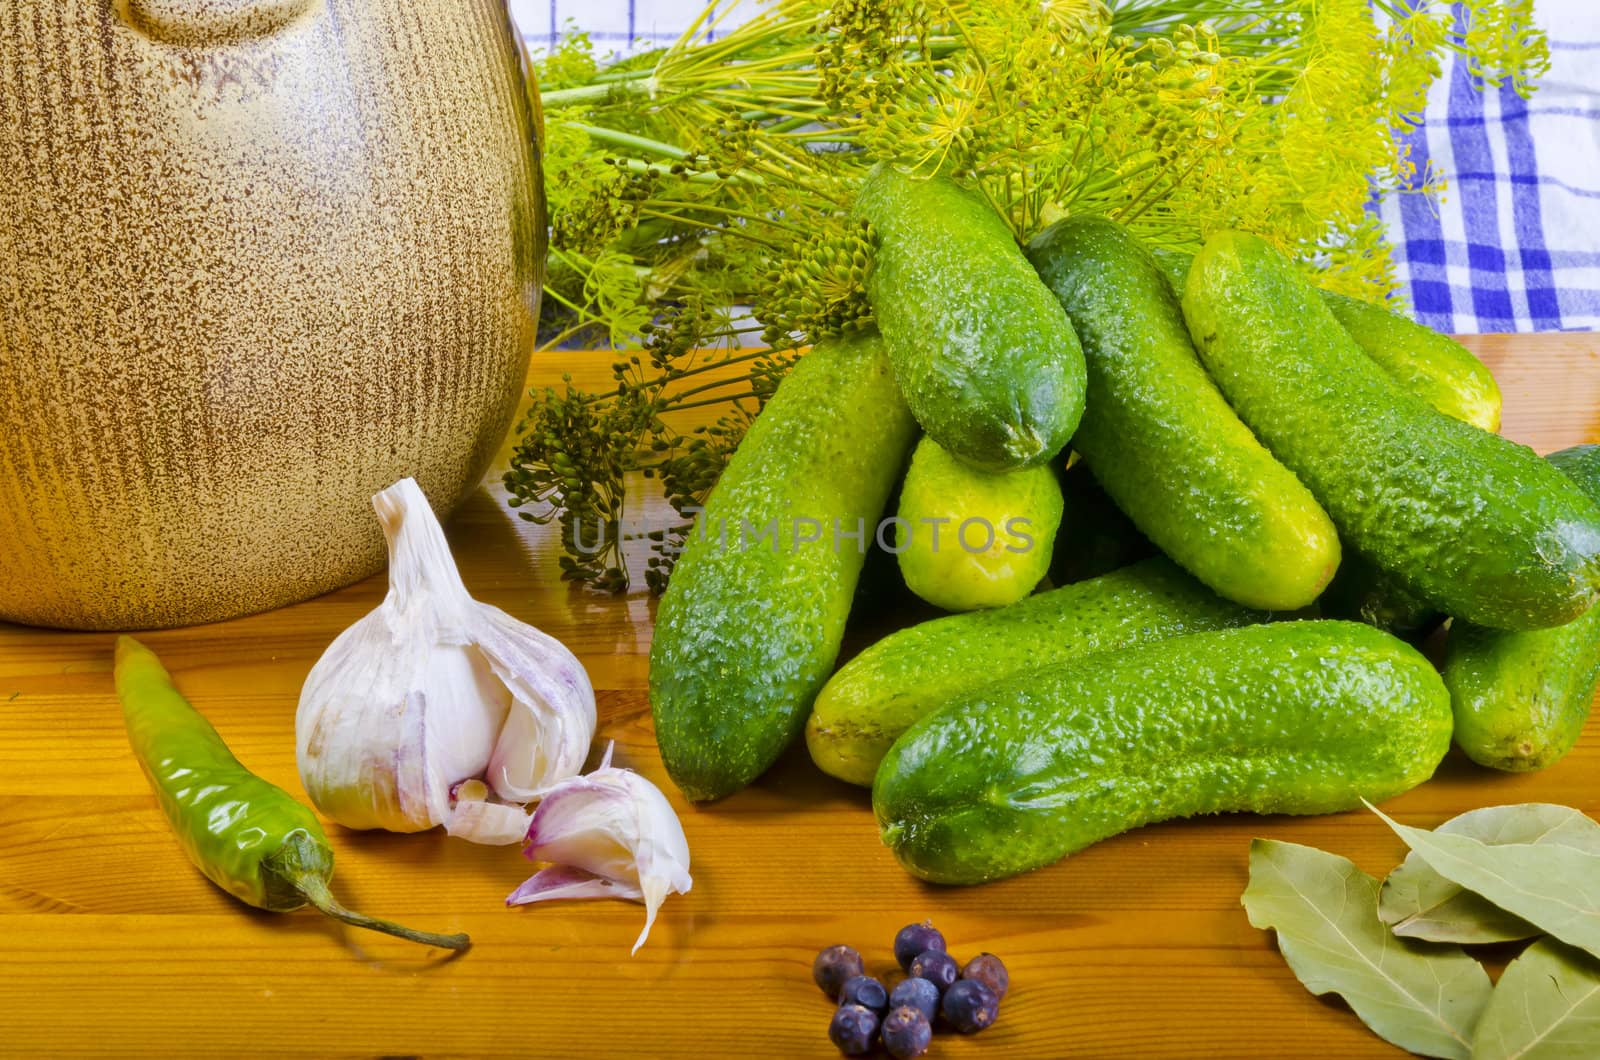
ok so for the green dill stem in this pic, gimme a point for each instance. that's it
(635, 83)
(703, 388)
(759, 30)
(720, 362)
(1162, 174)
(639, 165)
(630, 140)
(774, 76)
(555, 343)
(588, 316)
(708, 207)
(1077, 148)
(572, 259)
(772, 104)
(1111, 180)
(635, 142)
(775, 127)
(610, 74)
(686, 38)
(723, 400)
(1132, 16)
(833, 134)
(793, 170)
(708, 366)
(795, 61)
(740, 233)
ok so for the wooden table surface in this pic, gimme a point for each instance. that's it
(1138, 947)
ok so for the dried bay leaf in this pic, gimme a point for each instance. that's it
(1424, 997)
(1546, 1007)
(1553, 887)
(1418, 902)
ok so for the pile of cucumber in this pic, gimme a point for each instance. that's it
(1270, 488)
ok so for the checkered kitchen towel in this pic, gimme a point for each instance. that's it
(1514, 246)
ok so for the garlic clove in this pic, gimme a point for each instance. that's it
(461, 690)
(615, 826)
(546, 738)
(474, 817)
(433, 688)
(564, 881)
(362, 758)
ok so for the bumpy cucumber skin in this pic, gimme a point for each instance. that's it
(1162, 440)
(939, 495)
(1434, 367)
(1468, 521)
(1521, 699)
(1296, 717)
(983, 353)
(745, 637)
(1580, 463)
(907, 675)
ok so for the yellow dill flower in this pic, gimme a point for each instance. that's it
(1502, 42)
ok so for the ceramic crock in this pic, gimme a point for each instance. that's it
(258, 260)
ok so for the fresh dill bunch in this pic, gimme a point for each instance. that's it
(575, 448)
(569, 461)
(815, 287)
(721, 173)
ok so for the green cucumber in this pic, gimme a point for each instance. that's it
(1161, 439)
(1435, 367)
(985, 357)
(968, 538)
(1296, 717)
(1446, 375)
(1521, 699)
(907, 675)
(751, 622)
(1472, 523)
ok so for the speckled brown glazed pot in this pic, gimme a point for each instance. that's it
(258, 260)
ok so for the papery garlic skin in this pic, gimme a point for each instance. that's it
(609, 834)
(433, 688)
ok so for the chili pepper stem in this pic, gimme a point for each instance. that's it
(303, 866)
(316, 892)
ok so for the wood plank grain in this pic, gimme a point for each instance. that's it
(111, 944)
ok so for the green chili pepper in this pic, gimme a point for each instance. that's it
(249, 837)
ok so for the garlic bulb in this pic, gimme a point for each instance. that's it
(611, 834)
(433, 691)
